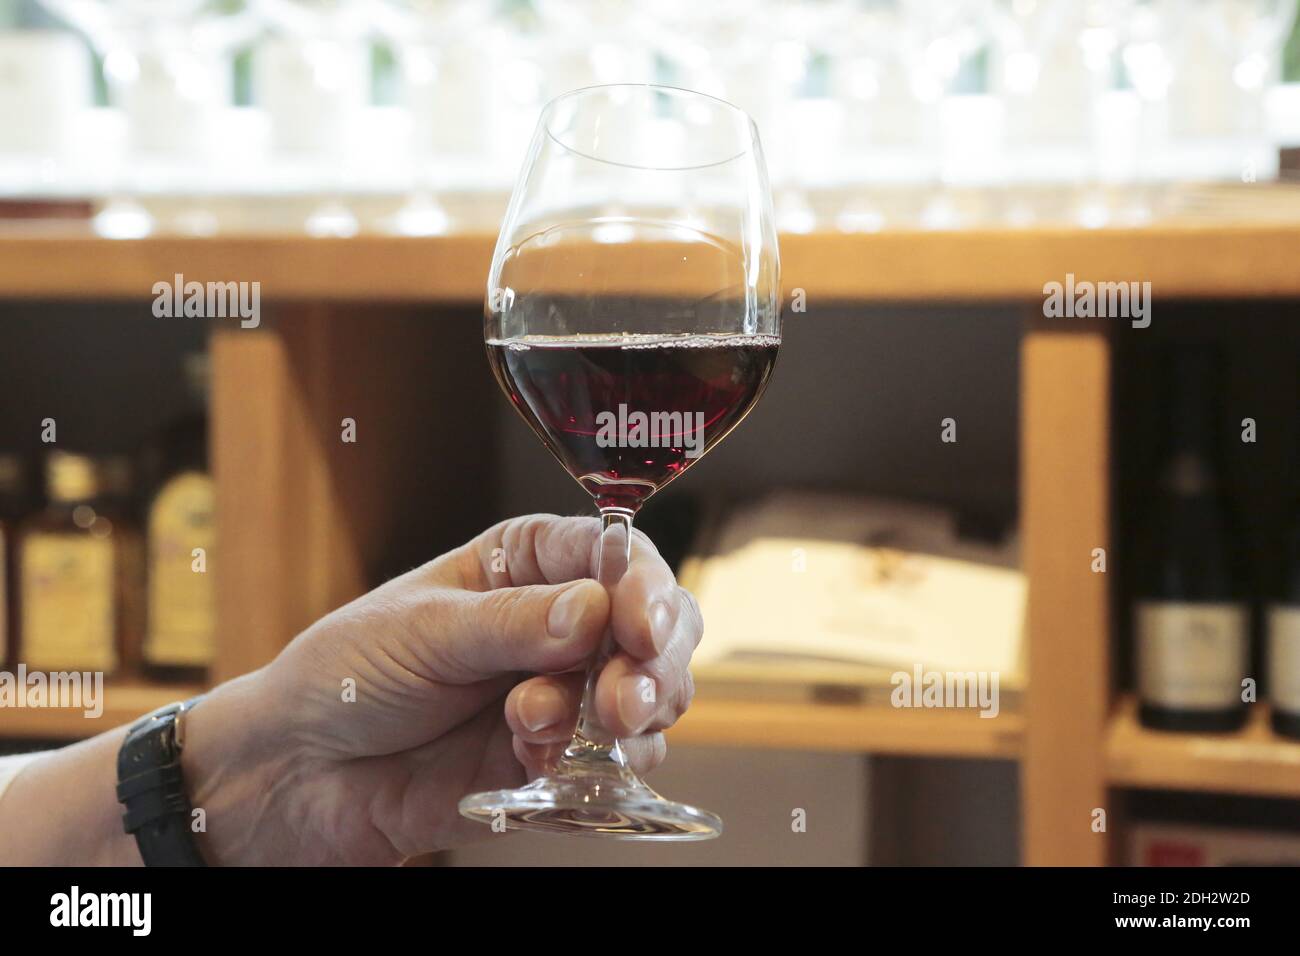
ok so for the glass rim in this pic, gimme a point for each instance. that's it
(746, 120)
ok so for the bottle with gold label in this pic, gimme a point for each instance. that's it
(69, 564)
(13, 507)
(180, 639)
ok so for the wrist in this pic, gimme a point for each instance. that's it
(229, 761)
(76, 824)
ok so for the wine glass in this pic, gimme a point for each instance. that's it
(633, 318)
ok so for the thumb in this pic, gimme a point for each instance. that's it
(540, 628)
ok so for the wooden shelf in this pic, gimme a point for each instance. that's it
(1180, 259)
(124, 701)
(711, 721)
(847, 728)
(1253, 761)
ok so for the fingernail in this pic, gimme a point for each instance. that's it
(661, 625)
(541, 707)
(636, 701)
(566, 612)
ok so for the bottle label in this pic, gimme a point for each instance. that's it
(182, 606)
(1284, 658)
(1191, 656)
(68, 603)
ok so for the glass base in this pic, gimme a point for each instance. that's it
(603, 801)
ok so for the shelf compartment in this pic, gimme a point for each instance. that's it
(1253, 761)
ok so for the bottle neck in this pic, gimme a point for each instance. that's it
(1189, 466)
(1189, 474)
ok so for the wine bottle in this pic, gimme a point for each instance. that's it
(1191, 626)
(70, 560)
(13, 487)
(180, 639)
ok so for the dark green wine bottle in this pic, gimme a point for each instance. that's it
(1191, 625)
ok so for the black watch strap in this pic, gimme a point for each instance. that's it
(151, 788)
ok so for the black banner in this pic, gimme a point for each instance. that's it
(210, 905)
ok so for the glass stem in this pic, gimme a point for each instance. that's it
(592, 744)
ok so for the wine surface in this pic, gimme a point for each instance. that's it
(625, 414)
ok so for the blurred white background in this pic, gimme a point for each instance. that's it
(172, 114)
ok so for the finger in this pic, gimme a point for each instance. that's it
(539, 549)
(677, 704)
(547, 549)
(532, 549)
(627, 698)
(643, 754)
(633, 695)
(647, 604)
(536, 759)
(538, 628)
(544, 710)
(646, 752)
(631, 699)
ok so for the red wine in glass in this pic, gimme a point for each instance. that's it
(626, 414)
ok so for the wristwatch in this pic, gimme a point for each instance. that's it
(151, 788)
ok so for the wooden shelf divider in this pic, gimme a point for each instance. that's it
(1065, 515)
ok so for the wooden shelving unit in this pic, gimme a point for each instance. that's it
(305, 524)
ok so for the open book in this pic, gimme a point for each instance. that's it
(807, 590)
